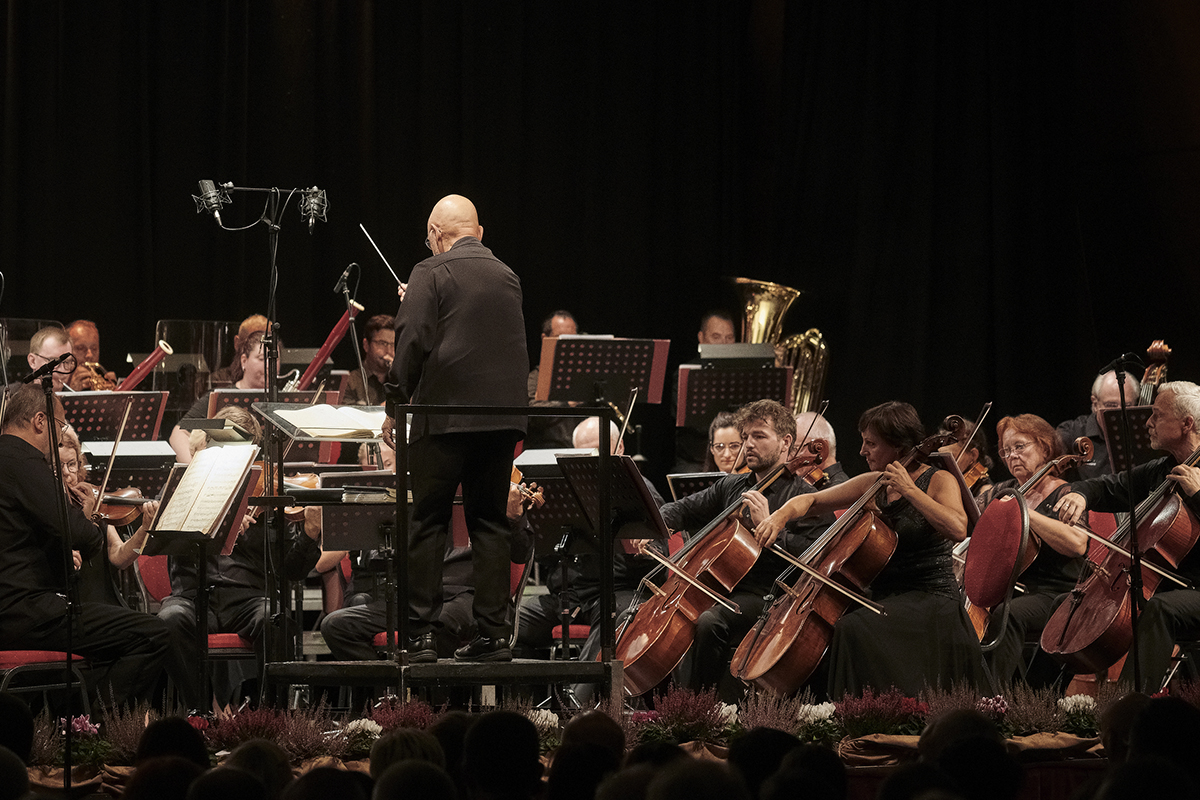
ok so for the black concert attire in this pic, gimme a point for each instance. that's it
(354, 394)
(1172, 614)
(719, 630)
(99, 580)
(460, 340)
(124, 648)
(541, 613)
(1049, 576)
(1086, 425)
(925, 639)
(236, 604)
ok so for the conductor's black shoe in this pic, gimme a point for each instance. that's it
(484, 648)
(422, 649)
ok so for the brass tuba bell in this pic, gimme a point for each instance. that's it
(764, 305)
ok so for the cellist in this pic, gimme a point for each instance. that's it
(767, 430)
(925, 638)
(1171, 614)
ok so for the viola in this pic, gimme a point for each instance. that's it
(122, 507)
(1092, 629)
(657, 635)
(788, 642)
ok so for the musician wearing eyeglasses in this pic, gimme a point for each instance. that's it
(1172, 614)
(378, 350)
(48, 344)
(1106, 396)
(724, 444)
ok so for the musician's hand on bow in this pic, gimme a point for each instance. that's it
(1187, 477)
(756, 504)
(76, 559)
(1071, 508)
(387, 432)
(640, 545)
(897, 477)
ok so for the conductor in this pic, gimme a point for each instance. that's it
(460, 340)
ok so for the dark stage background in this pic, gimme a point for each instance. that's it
(982, 200)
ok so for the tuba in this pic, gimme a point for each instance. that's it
(764, 305)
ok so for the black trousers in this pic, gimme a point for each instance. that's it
(482, 463)
(1167, 618)
(124, 648)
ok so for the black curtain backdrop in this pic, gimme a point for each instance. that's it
(980, 201)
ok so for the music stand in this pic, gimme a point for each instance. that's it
(197, 545)
(634, 513)
(683, 484)
(560, 513)
(600, 370)
(97, 415)
(703, 393)
(143, 465)
(1121, 454)
(301, 450)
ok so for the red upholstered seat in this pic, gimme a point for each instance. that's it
(22, 658)
(228, 641)
(574, 632)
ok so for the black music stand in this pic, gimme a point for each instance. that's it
(683, 484)
(302, 450)
(703, 393)
(143, 465)
(1123, 455)
(197, 545)
(634, 513)
(601, 369)
(97, 415)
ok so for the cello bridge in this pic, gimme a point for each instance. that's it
(788, 590)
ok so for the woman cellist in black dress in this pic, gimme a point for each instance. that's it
(925, 638)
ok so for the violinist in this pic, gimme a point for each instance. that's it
(48, 344)
(925, 639)
(975, 462)
(237, 601)
(97, 581)
(1027, 442)
(768, 430)
(809, 426)
(253, 366)
(1172, 613)
(1106, 395)
(378, 349)
(124, 648)
(724, 444)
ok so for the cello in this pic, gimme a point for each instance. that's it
(1093, 629)
(660, 630)
(787, 644)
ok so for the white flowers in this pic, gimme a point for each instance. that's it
(368, 726)
(727, 715)
(810, 714)
(1078, 704)
(543, 719)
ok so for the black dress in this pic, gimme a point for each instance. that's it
(925, 639)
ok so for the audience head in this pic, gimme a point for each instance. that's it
(757, 754)
(451, 730)
(1169, 728)
(630, 783)
(403, 744)
(172, 736)
(954, 726)
(981, 768)
(324, 783)
(14, 778)
(595, 727)
(1116, 724)
(694, 779)
(227, 783)
(1146, 777)
(162, 778)
(578, 768)
(266, 761)
(917, 779)
(16, 725)
(817, 765)
(501, 756)
(410, 780)
(655, 754)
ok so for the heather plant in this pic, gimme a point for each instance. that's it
(309, 733)
(229, 730)
(889, 712)
(958, 697)
(46, 749)
(391, 713)
(682, 715)
(123, 728)
(765, 709)
(548, 724)
(1031, 711)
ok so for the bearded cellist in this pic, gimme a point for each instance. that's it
(767, 429)
(925, 638)
(1171, 614)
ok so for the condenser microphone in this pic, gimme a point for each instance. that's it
(210, 200)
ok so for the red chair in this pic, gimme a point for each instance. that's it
(18, 663)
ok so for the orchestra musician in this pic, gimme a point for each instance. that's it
(716, 327)
(975, 462)
(1171, 614)
(48, 344)
(1106, 396)
(460, 339)
(237, 585)
(231, 372)
(253, 368)
(925, 638)
(85, 345)
(768, 430)
(124, 648)
(545, 432)
(97, 579)
(724, 444)
(1027, 442)
(378, 348)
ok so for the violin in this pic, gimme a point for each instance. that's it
(122, 507)
(793, 634)
(530, 498)
(659, 632)
(1092, 629)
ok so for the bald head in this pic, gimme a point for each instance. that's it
(452, 218)
(821, 429)
(587, 436)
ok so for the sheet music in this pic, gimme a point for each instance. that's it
(329, 421)
(206, 489)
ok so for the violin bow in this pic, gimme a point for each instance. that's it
(112, 459)
(978, 421)
(633, 393)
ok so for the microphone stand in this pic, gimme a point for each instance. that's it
(1135, 577)
(70, 593)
